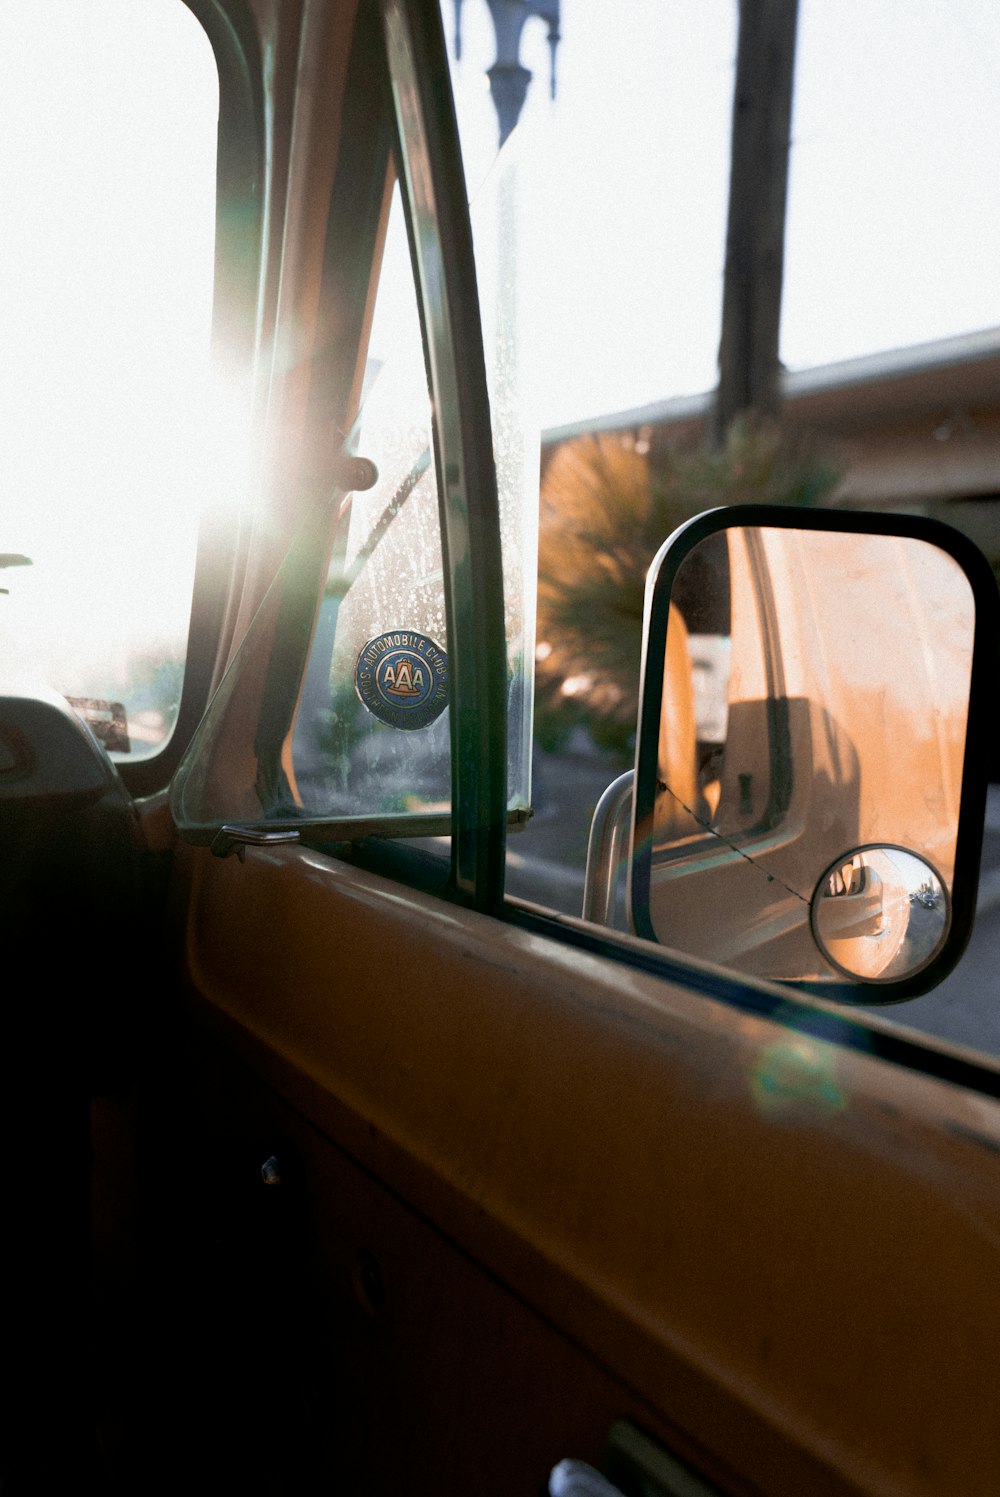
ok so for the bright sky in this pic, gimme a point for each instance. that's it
(894, 210)
(108, 118)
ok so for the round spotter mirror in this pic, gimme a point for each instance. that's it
(880, 913)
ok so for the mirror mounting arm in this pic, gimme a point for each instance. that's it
(607, 849)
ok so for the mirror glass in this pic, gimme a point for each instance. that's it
(814, 705)
(880, 913)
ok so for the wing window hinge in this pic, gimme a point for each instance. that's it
(238, 838)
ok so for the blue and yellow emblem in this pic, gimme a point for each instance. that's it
(402, 677)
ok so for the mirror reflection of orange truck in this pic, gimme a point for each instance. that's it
(842, 691)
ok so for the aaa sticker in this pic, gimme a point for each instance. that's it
(402, 678)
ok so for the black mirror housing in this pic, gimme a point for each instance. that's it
(813, 753)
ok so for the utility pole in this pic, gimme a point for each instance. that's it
(749, 371)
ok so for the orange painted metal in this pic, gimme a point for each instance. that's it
(788, 1251)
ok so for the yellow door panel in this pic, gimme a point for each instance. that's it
(748, 1229)
(425, 1371)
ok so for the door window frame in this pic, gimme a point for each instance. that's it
(241, 158)
(436, 202)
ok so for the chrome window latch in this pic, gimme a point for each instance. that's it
(238, 838)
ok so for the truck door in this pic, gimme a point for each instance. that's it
(542, 1181)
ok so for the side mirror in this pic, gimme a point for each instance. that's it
(811, 763)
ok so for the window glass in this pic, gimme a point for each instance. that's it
(372, 734)
(372, 731)
(364, 738)
(361, 741)
(113, 425)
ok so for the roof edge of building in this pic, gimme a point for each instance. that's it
(845, 374)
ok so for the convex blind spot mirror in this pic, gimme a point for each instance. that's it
(811, 761)
(880, 914)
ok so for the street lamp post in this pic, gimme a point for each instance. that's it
(509, 79)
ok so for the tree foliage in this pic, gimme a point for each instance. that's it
(605, 511)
